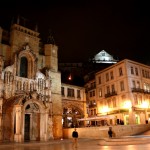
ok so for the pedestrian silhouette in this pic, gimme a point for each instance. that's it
(110, 132)
(75, 137)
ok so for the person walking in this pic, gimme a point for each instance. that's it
(75, 137)
(110, 132)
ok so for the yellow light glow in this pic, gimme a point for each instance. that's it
(105, 109)
(144, 104)
(127, 104)
(70, 78)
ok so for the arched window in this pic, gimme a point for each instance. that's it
(23, 67)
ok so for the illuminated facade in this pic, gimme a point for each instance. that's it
(120, 92)
(104, 57)
(34, 104)
(30, 87)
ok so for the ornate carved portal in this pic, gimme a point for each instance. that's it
(32, 122)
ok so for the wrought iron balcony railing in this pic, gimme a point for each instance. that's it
(139, 90)
(110, 94)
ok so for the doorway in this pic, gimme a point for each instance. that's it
(27, 127)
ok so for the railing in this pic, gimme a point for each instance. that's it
(92, 105)
(110, 94)
(139, 90)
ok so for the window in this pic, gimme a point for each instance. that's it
(146, 74)
(103, 54)
(107, 77)
(136, 71)
(144, 85)
(133, 84)
(135, 100)
(94, 111)
(62, 91)
(122, 86)
(111, 75)
(100, 92)
(138, 84)
(23, 67)
(99, 80)
(143, 73)
(108, 89)
(93, 93)
(93, 85)
(132, 71)
(70, 92)
(90, 94)
(109, 103)
(78, 94)
(114, 102)
(113, 88)
(120, 71)
(91, 112)
(123, 97)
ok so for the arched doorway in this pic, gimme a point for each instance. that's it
(70, 116)
(32, 122)
(26, 119)
(35, 121)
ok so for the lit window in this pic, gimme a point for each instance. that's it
(100, 92)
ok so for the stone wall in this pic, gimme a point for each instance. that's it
(101, 132)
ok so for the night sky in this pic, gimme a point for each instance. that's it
(82, 28)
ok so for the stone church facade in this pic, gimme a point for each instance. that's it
(30, 87)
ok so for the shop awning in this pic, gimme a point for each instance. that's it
(96, 118)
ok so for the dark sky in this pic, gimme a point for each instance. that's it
(82, 28)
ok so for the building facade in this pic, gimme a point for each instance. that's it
(74, 105)
(120, 94)
(30, 87)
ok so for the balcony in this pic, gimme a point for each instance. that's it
(110, 94)
(92, 105)
(139, 90)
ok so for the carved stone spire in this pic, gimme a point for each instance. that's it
(18, 19)
(36, 28)
(50, 39)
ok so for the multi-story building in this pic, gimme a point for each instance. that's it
(122, 94)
